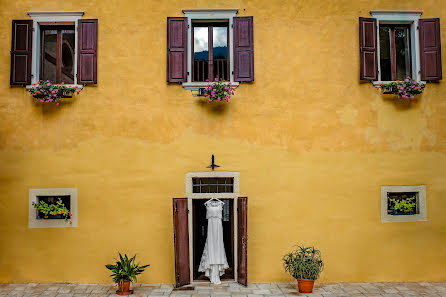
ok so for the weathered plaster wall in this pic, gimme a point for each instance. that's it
(312, 144)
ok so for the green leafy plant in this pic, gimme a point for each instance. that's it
(219, 91)
(125, 269)
(47, 92)
(404, 205)
(303, 263)
(406, 89)
(52, 209)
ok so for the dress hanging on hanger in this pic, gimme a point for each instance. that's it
(213, 261)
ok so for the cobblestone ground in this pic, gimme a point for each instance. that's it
(228, 289)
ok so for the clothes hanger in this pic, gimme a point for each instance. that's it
(213, 199)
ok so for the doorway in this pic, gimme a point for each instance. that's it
(200, 233)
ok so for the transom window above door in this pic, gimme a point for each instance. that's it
(210, 48)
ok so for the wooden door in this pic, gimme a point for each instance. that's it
(242, 238)
(181, 241)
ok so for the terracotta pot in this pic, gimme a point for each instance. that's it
(305, 285)
(124, 289)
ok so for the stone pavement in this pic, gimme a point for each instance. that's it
(228, 290)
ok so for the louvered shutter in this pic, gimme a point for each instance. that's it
(430, 49)
(181, 241)
(176, 49)
(87, 51)
(242, 240)
(243, 49)
(21, 52)
(368, 49)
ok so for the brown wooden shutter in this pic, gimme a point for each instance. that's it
(242, 240)
(181, 241)
(21, 52)
(430, 49)
(87, 52)
(367, 49)
(243, 49)
(176, 49)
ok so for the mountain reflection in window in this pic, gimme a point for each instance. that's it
(210, 37)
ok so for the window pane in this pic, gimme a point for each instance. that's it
(49, 55)
(402, 53)
(220, 52)
(385, 54)
(201, 53)
(68, 46)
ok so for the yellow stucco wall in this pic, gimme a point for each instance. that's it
(313, 146)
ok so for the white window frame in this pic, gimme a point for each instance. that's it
(33, 222)
(208, 14)
(409, 17)
(421, 216)
(191, 195)
(52, 18)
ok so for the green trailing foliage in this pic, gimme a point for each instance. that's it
(404, 205)
(125, 269)
(52, 209)
(303, 263)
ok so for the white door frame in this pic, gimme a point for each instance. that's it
(190, 196)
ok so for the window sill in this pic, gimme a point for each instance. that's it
(197, 85)
(79, 87)
(377, 82)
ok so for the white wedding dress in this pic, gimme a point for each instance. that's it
(213, 261)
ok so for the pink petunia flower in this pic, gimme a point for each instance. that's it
(57, 104)
(411, 97)
(41, 101)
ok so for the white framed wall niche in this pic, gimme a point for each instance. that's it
(69, 198)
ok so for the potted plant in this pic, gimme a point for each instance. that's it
(52, 211)
(46, 92)
(305, 265)
(219, 91)
(405, 89)
(124, 272)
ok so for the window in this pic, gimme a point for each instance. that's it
(395, 57)
(210, 47)
(57, 54)
(51, 196)
(213, 185)
(58, 46)
(209, 44)
(397, 44)
(403, 203)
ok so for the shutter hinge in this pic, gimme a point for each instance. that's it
(188, 26)
(178, 279)
(418, 27)
(34, 29)
(232, 72)
(188, 73)
(232, 25)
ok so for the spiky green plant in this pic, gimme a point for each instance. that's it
(125, 269)
(303, 263)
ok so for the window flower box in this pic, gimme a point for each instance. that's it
(406, 89)
(46, 92)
